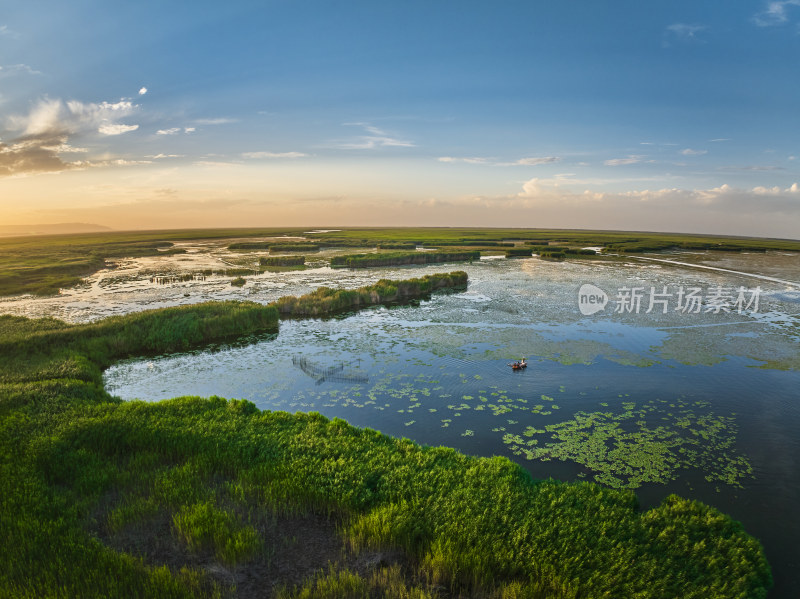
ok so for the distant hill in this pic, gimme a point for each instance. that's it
(55, 229)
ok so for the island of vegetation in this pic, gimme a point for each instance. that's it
(196, 497)
(325, 301)
(400, 258)
(280, 248)
(274, 247)
(409, 245)
(273, 261)
(519, 253)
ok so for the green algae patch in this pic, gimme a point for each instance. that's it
(651, 443)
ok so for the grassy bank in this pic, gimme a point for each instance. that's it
(401, 258)
(200, 497)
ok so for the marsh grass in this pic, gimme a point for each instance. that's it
(397, 246)
(401, 258)
(325, 301)
(519, 253)
(338, 583)
(274, 261)
(280, 248)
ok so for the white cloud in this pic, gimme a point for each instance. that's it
(142, 91)
(473, 160)
(767, 190)
(217, 121)
(682, 33)
(685, 31)
(536, 161)
(633, 159)
(118, 162)
(776, 190)
(160, 156)
(370, 142)
(46, 129)
(751, 167)
(273, 155)
(64, 148)
(493, 162)
(102, 115)
(721, 198)
(175, 130)
(216, 164)
(720, 139)
(103, 111)
(45, 117)
(15, 69)
(691, 152)
(775, 13)
(116, 129)
(375, 130)
(378, 139)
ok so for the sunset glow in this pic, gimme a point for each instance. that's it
(670, 116)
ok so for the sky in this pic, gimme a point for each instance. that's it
(658, 116)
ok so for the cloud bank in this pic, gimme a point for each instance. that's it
(47, 128)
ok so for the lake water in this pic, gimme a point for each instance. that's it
(706, 405)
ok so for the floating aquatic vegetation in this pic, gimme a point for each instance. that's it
(641, 445)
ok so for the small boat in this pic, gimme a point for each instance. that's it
(519, 365)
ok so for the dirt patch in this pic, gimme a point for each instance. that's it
(296, 549)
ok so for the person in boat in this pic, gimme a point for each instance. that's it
(522, 362)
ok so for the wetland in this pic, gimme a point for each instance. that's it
(700, 404)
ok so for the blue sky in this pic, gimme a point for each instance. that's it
(626, 115)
